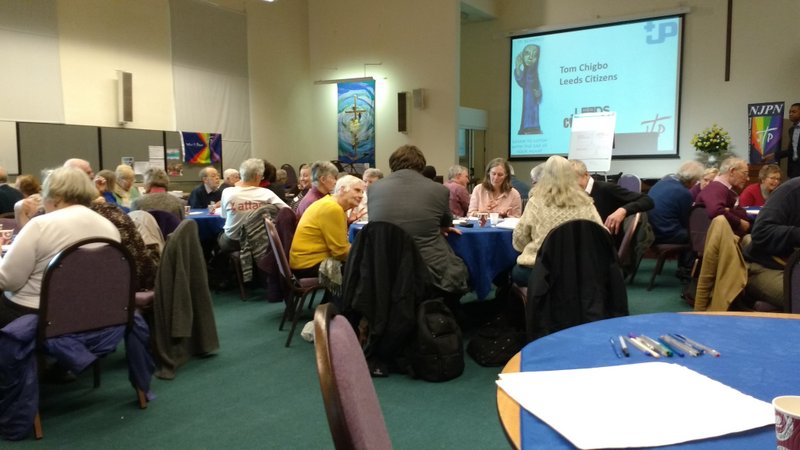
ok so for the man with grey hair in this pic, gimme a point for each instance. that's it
(360, 212)
(670, 215)
(157, 196)
(239, 201)
(208, 191)
(457, 181)
(230, 177)
(8, 195)
(323, 179)
(720, 198)
(322, 231)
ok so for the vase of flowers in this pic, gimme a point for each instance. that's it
(712, 145)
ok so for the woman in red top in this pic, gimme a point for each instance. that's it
(757, 193)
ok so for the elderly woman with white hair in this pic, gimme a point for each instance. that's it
(555, 199)
(322, 231)
(124, 190)
(67, 194)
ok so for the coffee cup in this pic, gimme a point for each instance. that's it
(787, 421)
(6, 236)
(187, 209)
(494, 218)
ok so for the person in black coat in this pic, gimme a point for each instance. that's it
(793, 150)
(208, 191)
(613, 202)
(8, 195)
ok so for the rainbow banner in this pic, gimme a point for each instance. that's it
(766, 128)
(201, 148)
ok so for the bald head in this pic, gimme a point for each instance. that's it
(80, 164)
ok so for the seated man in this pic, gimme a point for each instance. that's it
(323, 179)
(238, 201)
(322, 231)
(670, 216)
(208, 191)
(776, 233)
(421, 208)
(719, 197)
(230, 178)
(156, 185)
(457, 181)
(8, 194)
(613, 202)
(360, 212)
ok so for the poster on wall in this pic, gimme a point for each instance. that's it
(766, 128)
(201, 148)
(356, 122)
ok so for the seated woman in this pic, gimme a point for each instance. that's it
(124, 190)
(106, 182)
(31, 203)
(303, 185)
(322, 231)
(67, 194)
(757, 193)
(495, 194)
(556, 198)
(156, 185)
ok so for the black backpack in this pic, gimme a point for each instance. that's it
(437, 353)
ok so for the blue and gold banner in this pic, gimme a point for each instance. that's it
(766, 127)
(356, 122)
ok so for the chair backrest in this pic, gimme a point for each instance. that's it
(630, 182)
(351, 404)
(280, 255)
(791, 284)
(698, 228)
(626, 246)
(166, 220)
(87, 286)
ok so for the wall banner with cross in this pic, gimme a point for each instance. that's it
(356, 122)
(766, 128)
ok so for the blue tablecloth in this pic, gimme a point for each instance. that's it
(209, 226)
(487, 251)
(758, 358)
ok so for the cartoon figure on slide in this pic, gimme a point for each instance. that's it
(526, 73)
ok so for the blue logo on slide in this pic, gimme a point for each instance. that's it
(657, 35)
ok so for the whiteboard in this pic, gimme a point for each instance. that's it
(8, 147)
(592, 140)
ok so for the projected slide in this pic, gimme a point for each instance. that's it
(630, 68)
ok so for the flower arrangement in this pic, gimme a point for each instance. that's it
(714, 140)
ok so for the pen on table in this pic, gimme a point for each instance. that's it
(664, 340)
(657, 346)
(641, 339)
(614, 347)
(698, 345)
(635, 342)
(624, 347)
(674, 342)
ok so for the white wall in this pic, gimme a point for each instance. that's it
(765, 63)
(99, 37)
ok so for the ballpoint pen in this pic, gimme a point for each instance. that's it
(614, 347)
(635, 342)
(698, 345)
(624, 347)
(664, 340)
(664, 351)
(676, 343)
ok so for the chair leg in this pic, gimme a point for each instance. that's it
(142, 397)
(300, 302)
(657, 270)
(37, 426)
(288, 313)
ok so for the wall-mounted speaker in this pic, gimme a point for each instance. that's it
(419, 98)
(402, 112)
(124, 97)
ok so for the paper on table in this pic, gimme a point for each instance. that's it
(635, 405)
(508, 222)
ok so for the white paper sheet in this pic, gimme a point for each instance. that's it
(509, 222)
(635, 405)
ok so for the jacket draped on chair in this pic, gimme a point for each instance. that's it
(723, 273)
(576, 279)
(183, 312)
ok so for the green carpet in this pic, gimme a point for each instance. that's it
(257, 394)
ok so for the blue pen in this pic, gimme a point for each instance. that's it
(699, 346)
(665, 342)
(614, 347)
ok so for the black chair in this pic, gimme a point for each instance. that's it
(87, 286)
(698, 228)
(351, 404)
(791, 284)
(664, 252)
(298, 289)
